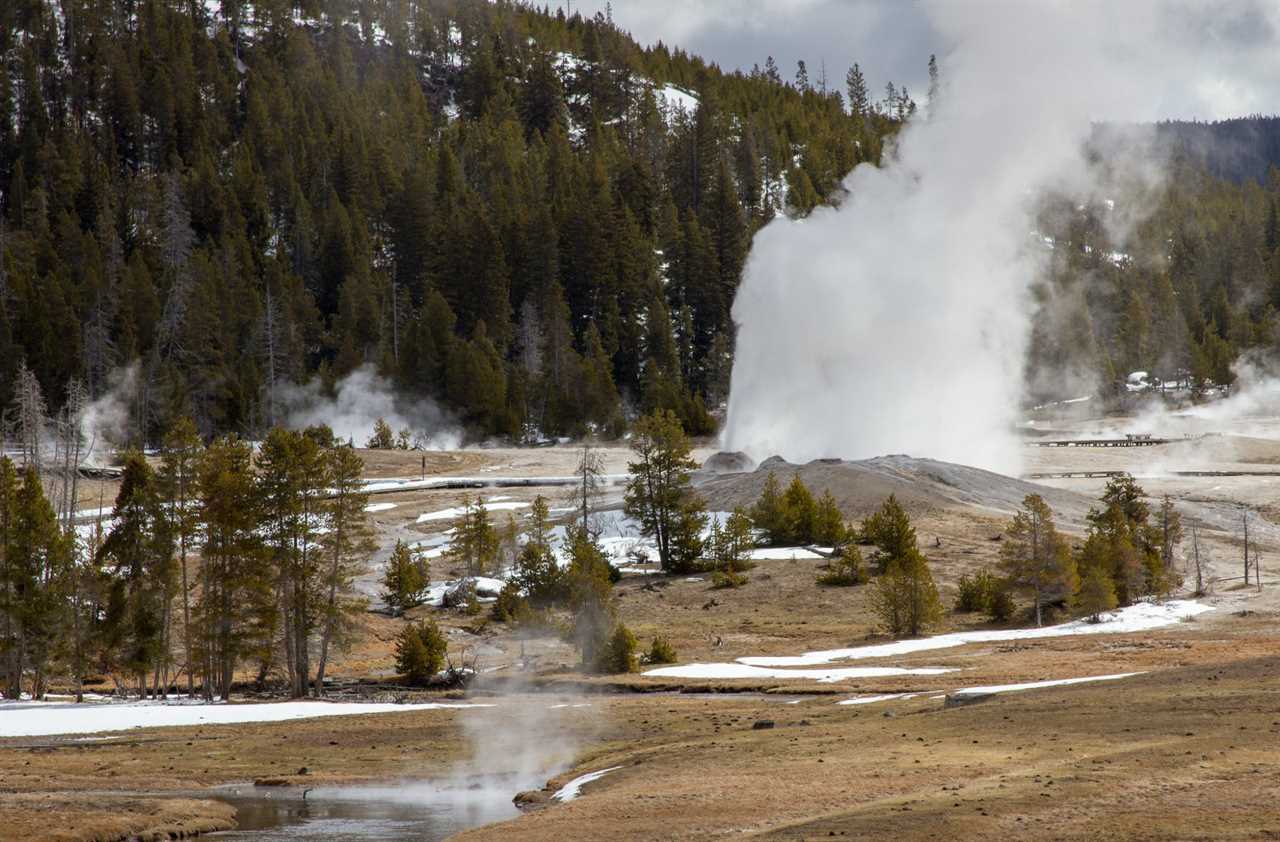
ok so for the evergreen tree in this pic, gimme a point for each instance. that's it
(658, 493)
(905, 598)
(890, 530)
(180, 457)
(139, 551)
(767, 514)
(406, 579)
(590, 598)
(420, 652)
(348, 542)
(828, 522)
(1096, 594)
(1036, 556)
(235, 612)
(537, 573)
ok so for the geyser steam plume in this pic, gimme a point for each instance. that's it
(898, 323)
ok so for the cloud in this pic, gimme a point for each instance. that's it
(1229, 68)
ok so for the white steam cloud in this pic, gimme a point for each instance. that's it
(358, 401)
(899, 321)
(107, 422)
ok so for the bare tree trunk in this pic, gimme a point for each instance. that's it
(331, 608)
(1244, 518)
(1195, 543)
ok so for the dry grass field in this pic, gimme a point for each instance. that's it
(1185, 750)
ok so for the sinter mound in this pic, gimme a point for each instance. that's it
(921, 485)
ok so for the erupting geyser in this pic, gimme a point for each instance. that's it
(898, 323)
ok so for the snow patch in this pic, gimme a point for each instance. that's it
(573, 789)
(459, 511)
(1143, 616)
(1033, 685)
(823, 676)
(36, 719)
(867, 700)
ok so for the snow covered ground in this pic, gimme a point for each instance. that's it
(867, 700)
(1035, 685)
(824, 676)
(970, 692)
(1144, 616)
(459, 511)
(1134, 618)
(487, 590)
(33, 719)
(573, 789)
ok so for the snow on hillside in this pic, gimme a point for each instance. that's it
(675, 98)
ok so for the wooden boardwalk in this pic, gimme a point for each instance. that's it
(1135, 441)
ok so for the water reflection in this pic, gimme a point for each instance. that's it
(419, 810)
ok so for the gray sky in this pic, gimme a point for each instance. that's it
(890, 39)
(1227, 48)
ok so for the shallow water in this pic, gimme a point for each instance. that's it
(414, 810)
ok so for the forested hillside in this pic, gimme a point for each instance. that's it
(1178, 284)
(526, 218)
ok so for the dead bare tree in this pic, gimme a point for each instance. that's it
(28, 418)
(1244, 519)
(99, 348)
(176, 241)
(1195, 544)
(590, 486)
(71, 443)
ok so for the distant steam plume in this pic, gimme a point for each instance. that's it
(899, 321)
(358, 401)
(107, 423)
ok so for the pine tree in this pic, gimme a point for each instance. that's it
(768, 512)
(236, 610)
(180, 457)
(406, 579)
(292, 479)
(658, 493)
(799, 513)
(475, 543)
(537, 573)
(36, 560)
(859, 97)
(1096, 594)
(590, 596)
(828, 523)
(420, 652)
(1036, 556)
(348, 542)
(891, 531)
(139, 550)
(905, 598)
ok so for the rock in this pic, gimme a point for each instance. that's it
(889, 714)
(728, 462)
(531, 799)
(955, 700)
(302, 771)
(762, 725)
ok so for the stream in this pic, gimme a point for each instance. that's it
(419, 810)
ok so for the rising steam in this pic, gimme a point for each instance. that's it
(358, 401)
(899, 321)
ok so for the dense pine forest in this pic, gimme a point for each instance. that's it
(524, 217)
